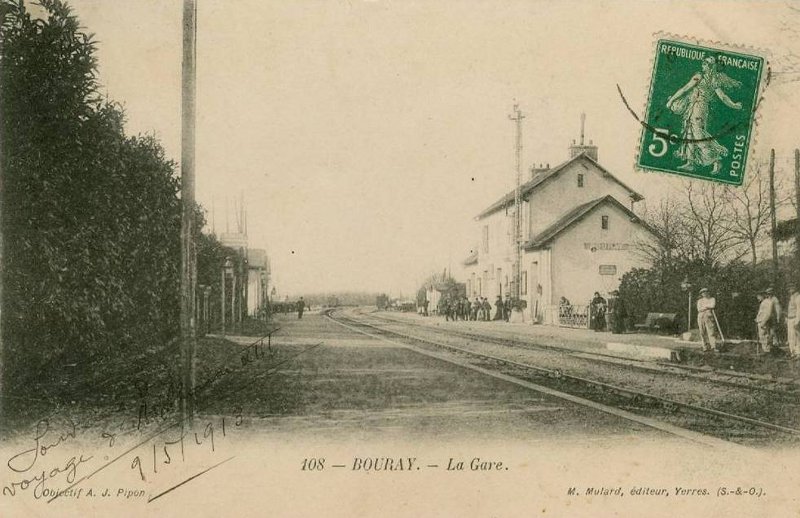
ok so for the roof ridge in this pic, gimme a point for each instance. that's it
(527, 187)
(573, 215)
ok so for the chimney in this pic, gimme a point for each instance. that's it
(537, 170)
(589, 150)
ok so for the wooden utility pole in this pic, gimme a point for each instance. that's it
(188, 267)
(797, 205)
(773, 220)
(517, 118)
(222, 299)
(2, 251)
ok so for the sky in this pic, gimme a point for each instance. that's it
(364, 136)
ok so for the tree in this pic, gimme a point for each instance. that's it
(750, 212)
(91, 221)
(706, 223)
(666, 222)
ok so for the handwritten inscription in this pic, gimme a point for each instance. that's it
(46, 438)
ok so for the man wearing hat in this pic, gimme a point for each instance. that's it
(793, 321)
(705, 319)
(766, 320)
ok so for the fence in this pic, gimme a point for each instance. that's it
(572, 315)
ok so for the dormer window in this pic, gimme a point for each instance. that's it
(604, 222)
(580, 179)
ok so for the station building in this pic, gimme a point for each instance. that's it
(580, 235)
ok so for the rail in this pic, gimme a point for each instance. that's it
(636, 395)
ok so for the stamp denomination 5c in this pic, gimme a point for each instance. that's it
(700, 113)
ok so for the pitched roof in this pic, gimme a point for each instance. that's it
(575, 215)
(542, 177)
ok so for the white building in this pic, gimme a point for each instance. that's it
(579, 236)
(258, 271)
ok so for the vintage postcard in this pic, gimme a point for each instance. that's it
(382, 258)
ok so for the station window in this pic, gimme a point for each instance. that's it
(580, 179)
(604, 222)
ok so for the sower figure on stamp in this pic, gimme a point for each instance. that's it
(705, 320)
(793, 321)
(693, 102)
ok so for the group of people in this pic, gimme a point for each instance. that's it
(607, 314)
(480, 309)
(772, 323)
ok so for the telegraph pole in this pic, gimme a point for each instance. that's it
(773, 217)
(3, 360)
(517, 118)
(188, 267)
(797, 204)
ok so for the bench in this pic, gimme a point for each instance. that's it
(663, 322)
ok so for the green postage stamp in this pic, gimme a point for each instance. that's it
(700, 113)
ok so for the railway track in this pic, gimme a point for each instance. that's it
(678, 417)
(790, 390)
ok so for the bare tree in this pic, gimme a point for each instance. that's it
(707, 225)
(666, 222)
(750, 211)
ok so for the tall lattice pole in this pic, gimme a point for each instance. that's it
(188, 268)
(517, 118)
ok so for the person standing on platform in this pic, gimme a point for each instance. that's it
(793, 321)
(476, 304)
(499, 311)
(777, 324)
(705, 320)
(615, 314)
(766, 319)
(301, 306)
(507, 308)
(598, 311)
